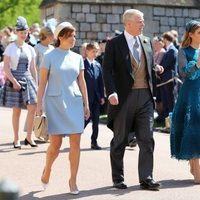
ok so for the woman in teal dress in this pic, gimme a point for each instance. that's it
(185, 129)
(66, 102)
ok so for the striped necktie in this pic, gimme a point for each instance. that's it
(136, 50)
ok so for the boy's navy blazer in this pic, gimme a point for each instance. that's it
(94, 81)
(169, 63)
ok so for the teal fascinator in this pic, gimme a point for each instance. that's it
(191, 25)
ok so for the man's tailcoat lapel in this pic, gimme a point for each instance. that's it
(126, 54)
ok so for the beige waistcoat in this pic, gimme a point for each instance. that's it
(139, 72)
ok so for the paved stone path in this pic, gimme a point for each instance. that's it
(24, 167)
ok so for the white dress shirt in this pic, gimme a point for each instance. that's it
(90, 61)
(130, 39)
(171, 44)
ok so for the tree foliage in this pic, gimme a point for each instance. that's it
(11, 9)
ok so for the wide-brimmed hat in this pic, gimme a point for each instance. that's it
(21, 23)
(60, 27)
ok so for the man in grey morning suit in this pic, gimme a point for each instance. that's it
(128, 72)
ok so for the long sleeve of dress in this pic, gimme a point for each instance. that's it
(187, 69)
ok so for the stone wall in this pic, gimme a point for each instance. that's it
(95, 20)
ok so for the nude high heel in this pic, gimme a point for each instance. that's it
(195, 170)
(75, 191)
(44, 185)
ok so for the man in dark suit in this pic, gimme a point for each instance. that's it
(95, 88)
(169, 63)
(128, 71)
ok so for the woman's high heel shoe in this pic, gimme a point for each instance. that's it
(17, 146)
(26, 142)
(44, 185)
(75, 191)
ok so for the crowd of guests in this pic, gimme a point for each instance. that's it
(166, 52)
(40, 72)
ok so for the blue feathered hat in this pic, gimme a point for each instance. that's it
(21, 24)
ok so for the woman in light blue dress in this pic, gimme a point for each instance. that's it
(66, 102)
(185, 129)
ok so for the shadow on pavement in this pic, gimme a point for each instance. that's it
(84, 193)
(171, 183)
(61, 151)
(8, 147)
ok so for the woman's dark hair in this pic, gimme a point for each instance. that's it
(191, 27)
(65, 32)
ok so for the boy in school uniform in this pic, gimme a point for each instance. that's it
(95, 88)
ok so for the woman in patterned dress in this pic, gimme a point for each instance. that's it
(21, 84)
(185, 129)
(66, 102)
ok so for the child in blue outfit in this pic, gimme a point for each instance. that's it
(95, 88)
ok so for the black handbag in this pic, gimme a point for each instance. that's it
(22, 82)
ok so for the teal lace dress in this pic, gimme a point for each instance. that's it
(185, 129)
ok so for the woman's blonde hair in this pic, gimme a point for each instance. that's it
(45, 31)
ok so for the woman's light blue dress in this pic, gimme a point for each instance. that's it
(63, 99)
(185, 130)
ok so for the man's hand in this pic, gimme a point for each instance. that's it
(102, 101)
(113, 99)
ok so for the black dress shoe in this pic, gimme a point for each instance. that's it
(95, 146)
(149, 184)
(26, 142)
(120, 185)
(132, 143)
(160, 120)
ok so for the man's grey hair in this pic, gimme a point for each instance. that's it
(130, 13)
